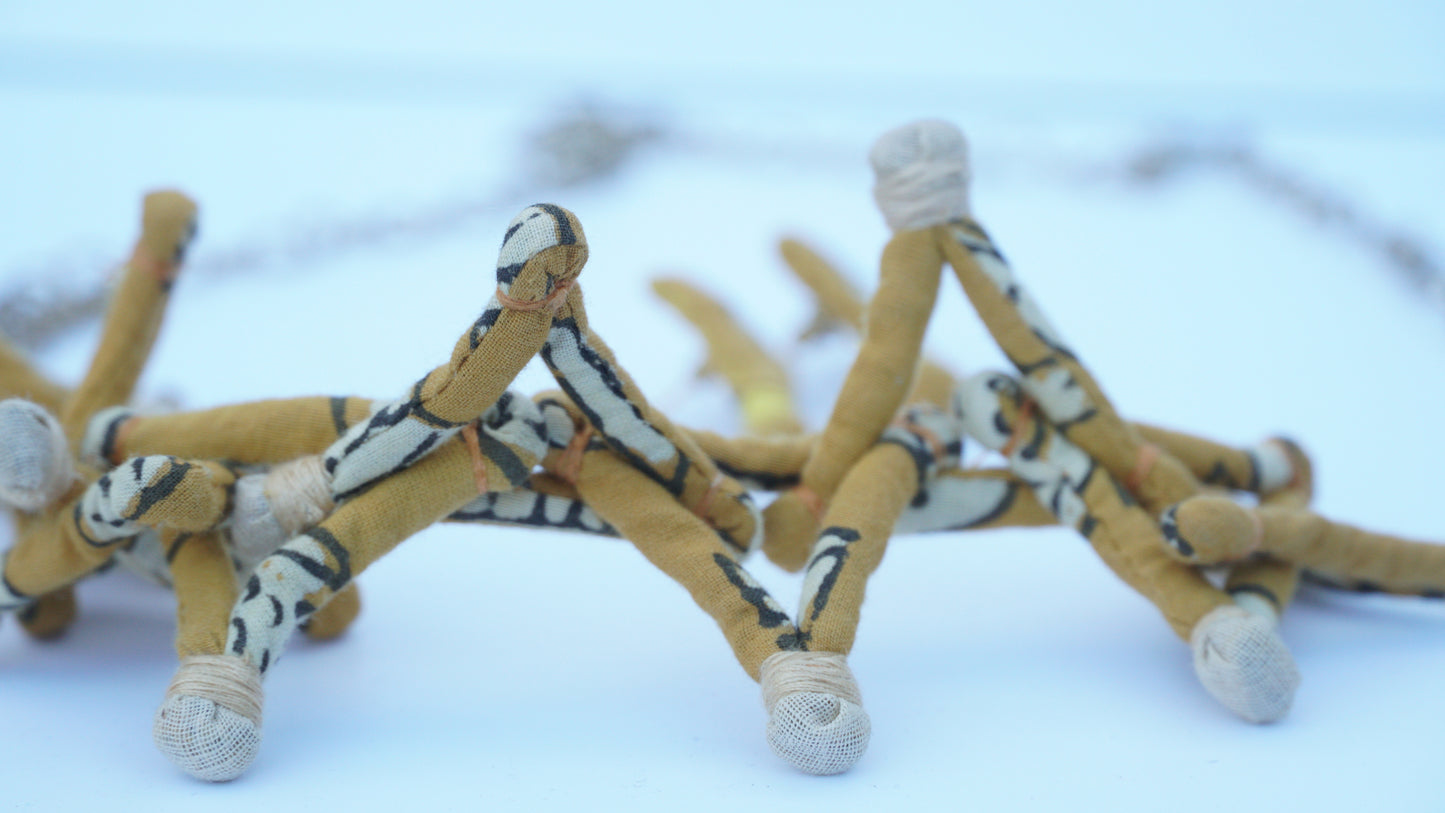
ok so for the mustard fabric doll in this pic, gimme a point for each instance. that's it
(911, 482)
(922, 174)
(160, 517)
(457, 440)
(1276, 469)
(39, 478)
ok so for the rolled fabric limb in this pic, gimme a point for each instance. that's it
(1085, 497)
(622, 417)
(132, 322)
(1265, 584)
(1210, 530)
(858, 525)
(205, 584)
(838, 302)
(256, 433)
(133, 318)
(542, 253)
(18, 379)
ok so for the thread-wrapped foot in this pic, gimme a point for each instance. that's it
(818, 733)
(1242, 661)
(210, 722)
(35, 464)
(816, 720)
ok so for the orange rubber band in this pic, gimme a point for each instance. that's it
(1148, 456)
(705, 504)
(1026, 413)
(552, 302)
(160, 269)
(569, 465)
(479, 464)
(911, 426)
(810, 500)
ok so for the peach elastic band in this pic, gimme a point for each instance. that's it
(160, 269)
(1026, 414)
(479, 464)
(1148, 456)
(911, 426)
(569, 465)
(704, 505)
(810, 500)
(552, 302)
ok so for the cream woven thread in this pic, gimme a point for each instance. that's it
(816, 721)
(1241, 660)
(921, 171)
(784, 673)
(299, 493)
(210, 722)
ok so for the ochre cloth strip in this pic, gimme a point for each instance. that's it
(1097, 429)
(133, 319)
(683, 546)
(256, 433)
(855, 534)
(588, 371)
(51, 549)
(205, 586)
(18, 379)
(882, 374)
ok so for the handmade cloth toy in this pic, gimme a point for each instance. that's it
(161, 516)
(922, 174)
(38, 475)
(421, 459)
(910, 482)
(1277, 470)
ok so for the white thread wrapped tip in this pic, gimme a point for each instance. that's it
(210, 722)
(816, 721)
(299, 494)
(1244, 664)
(35, 464)
(921, 174)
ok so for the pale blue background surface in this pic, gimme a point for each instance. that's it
(513, 670)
